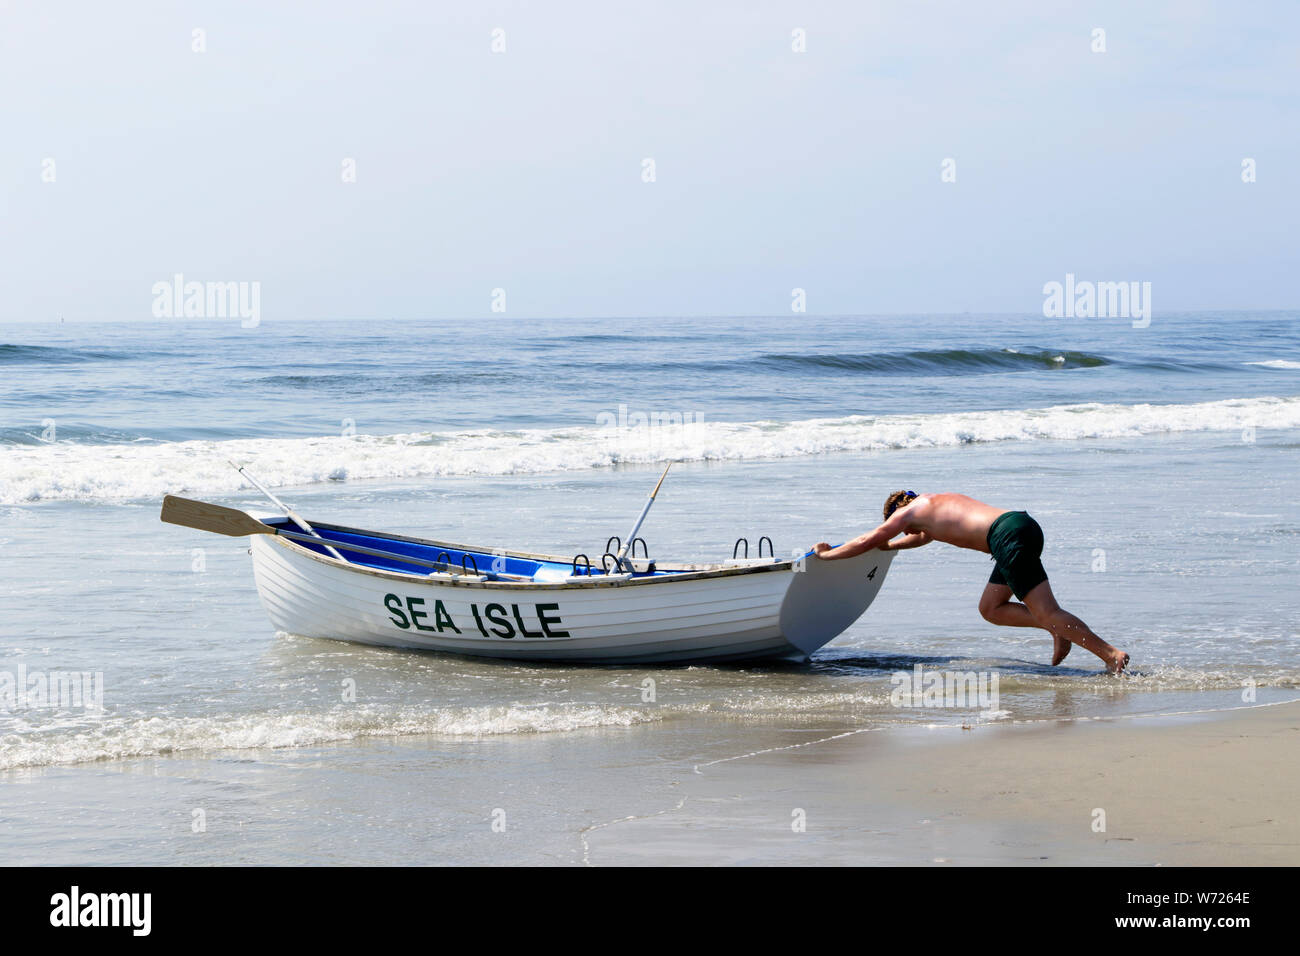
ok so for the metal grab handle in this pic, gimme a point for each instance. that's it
(771, 548)
(645, 549)
(467, 556)
(585, 559)
(604, 565)
(736, 548)
(618, 545)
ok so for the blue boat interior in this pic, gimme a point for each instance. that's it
(494, 567)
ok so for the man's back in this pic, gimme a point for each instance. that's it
(953, 519)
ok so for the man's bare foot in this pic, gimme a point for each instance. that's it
(1061, 647)
(1118, 661)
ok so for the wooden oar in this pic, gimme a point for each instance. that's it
(631, 538)
(205, 516)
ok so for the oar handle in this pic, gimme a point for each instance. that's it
(288, 512)
(660, 481)
(631, 538)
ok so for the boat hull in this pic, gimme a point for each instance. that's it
(774, 610)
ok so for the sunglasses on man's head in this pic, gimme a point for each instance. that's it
(900, 504)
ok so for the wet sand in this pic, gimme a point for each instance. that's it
(1214, 788)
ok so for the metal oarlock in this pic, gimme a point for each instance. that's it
(735, 551)
(586, 561)
(645, 549)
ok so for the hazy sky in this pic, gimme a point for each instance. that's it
(523, 169)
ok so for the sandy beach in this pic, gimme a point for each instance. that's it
(1210, 788)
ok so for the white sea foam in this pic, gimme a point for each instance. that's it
(73, 471)
(1277, 363)
(115, 738)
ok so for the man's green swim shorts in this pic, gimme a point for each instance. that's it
(1016, 543)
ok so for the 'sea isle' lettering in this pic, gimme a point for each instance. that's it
(490, 620)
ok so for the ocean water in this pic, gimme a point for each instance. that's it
(1161, 463)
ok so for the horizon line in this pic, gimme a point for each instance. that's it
(63, 320)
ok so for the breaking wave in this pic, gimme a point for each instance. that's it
(89, 472)
(942, 361)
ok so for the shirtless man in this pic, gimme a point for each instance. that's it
(1013, 539)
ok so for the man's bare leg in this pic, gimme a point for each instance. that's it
(996, 607)
(1041, 603)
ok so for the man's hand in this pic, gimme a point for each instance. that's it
(819, 547)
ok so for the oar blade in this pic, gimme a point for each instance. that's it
(205, 516)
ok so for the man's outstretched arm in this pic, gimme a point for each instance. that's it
(872, 539)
